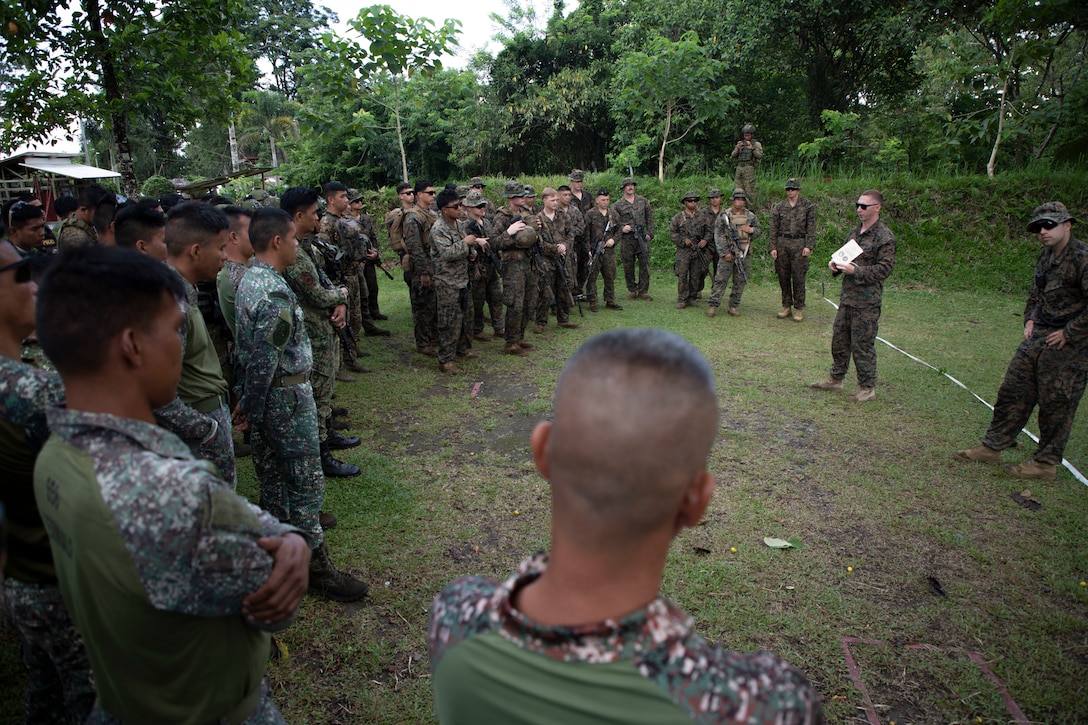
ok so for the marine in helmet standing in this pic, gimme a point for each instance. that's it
(747, 152)
(519, 279)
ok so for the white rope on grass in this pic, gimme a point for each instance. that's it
(1072, 469)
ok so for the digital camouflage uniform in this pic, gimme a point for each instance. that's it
(584, 204)
(317, 297)
(691, 262)
(450, 255)
(344, 232)
(59, 685)
(550, 234)
(747, 158)
(519, 279)
(368, 268)
(486, 286)
(647, 667)
(202, 395)
(274, 363)
(1042, 375)
(155, 554)
(710, 218)
(226, 283)
(793, 229)
(579, 253)
(855, 327)
(417, 226)
(600, 228)
(74, 232)
(638, 214)
(740, 269)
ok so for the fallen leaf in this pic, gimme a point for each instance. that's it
(777, 543)
(700, 550)
(1027, 501)
(936, 588)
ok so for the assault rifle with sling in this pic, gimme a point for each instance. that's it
(473, 227)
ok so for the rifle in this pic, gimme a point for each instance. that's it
(332, 256)
(473, 227)
(643, 245)
(597, 251)
(737, 264)
(368, 245)
(561, 270)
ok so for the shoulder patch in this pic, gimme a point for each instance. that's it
(281, 331)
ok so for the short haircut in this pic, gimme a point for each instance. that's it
(169, 201)
(563, 187)
(149, 202)
(103, 215)
(873, 193)
(603, 192)
(267, 222)
(18, 213)
(235, 215)
(90, 294)
(547, 192)
(402, 186)
(422, 184)
(298, 198)
(193, 222)
(445, 197)
(217, 200)
(91, 196)
(332, 188)
(452, 186)
(135, 222)
(65, 205)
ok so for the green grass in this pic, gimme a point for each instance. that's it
(449, 489)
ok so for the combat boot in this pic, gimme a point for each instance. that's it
(1033, 469)
(733, 312)
(539, 329)
(447, 367)
(329, 582)
(612, 306)
(798, 315)
(343, 377)
(373, 330)
(339, 412)
(593, 307)
(338, 441)
(711, 311)
(864, 395)
(568, 325)
(355, 367)
(334, 468)
(328, 521)
(784, 313)
(427, 350)
(481, 336)
(829, 384)
(512, 348)
(981, 453)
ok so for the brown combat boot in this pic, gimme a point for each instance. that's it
(525, 345)
(447, 367)
(798, 315)
(593, 306)
(646, 297)
(512, 348)
(733, 312)
(427, 350)
(482, 337)
(829, 384)
(612, 306)
(981, 453)
(711, 311)
(567, 324)
(681, 305)
(864, 395)
(1033, 469)
(328, 521)
(784, 313)
(329, 582)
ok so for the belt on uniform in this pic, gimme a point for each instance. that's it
(283, 381)
(508, 254)
(207, 405)
(792, 236)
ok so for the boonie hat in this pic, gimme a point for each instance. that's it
(690, 195)
(476, 181)
(628, 181)
(475, 199)
(792, 184)
(713, 193)
(513, 189)
(577, 175)
(739, 194)
(1054, 211)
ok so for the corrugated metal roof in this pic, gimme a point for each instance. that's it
(73, 171)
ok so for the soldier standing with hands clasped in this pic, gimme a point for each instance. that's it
(793, 237)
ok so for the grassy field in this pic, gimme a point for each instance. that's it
(871, 494)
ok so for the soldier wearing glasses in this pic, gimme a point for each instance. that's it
(1051, 364)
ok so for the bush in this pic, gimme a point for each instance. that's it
(156, 186)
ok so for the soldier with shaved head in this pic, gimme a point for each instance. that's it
(584, 627)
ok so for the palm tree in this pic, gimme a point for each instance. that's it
(267, 117)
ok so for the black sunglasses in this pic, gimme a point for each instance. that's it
(408, 193)
(452, 206)
(22, 270)
(859, 205)
(1045, 224)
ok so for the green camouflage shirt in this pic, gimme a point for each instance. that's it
(637, 212)
(316, 294)
(449, 253)
(866, 286)
(1059, 296)
(796, 224)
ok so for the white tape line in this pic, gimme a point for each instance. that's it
(1076, 474)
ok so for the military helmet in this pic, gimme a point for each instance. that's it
(257, 195)
(748, 128)
(250, 204)
(525, 238)
(739, 194)
(1053, 211)
(513, 189)
(713, 193)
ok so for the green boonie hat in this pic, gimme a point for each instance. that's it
(577, 175)
(690, 195)
(792, 184)
(512, 189)
(354, 195)
(713, 193)
(250, 204)
(476, 181)
(257, 195)
(1054, 211)
(475, 199)
(628, 181)
(739, 194)
(462, 192)
(529, 190)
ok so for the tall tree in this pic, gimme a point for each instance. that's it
(281, 32)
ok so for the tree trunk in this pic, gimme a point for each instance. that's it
(400, 131)
(111, 88)
(1000, 127)
(664, 142)
(232, 138)
(272, 143)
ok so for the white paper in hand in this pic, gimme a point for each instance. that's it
(847, 253)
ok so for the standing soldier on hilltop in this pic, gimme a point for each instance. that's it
(747, 152)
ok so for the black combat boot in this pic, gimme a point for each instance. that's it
(328, 521)
(334, 468)
(338, 412)
(329, 582)
(338, 441)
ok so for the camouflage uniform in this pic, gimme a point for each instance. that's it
(367, 271)
(450, 255)
(747, 158)
(519, 279)
(202, 395)
(553, 232)
(584, 204)
(343, 232)
(486, 286)
(227, 282)
(155, 556)
(793, 229)
(317, 297)
(578, 256)
(274, 363)
(710, 218)
(855, 327)
(636, 213)
(59, 684)
(740, 269)
(74, 232)
(691, 262)
(1042, 375)
(417, 226)
(648, 666)
(600, 228)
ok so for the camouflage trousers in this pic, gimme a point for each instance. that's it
(286, 458)
(739, 270)
(854, 335)
(552, 288)
(487, 287)
(355, 298)
(519, 295)
(424, 313)
(745, 178)
(220, 449)
(606, 269)
(59, 686)
(369, 275)
(690, 271)
(266, 712)
(581, 265)
(636, 265)
(1045, 376)
(454, 320)
(792, 269)
(323, 342)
